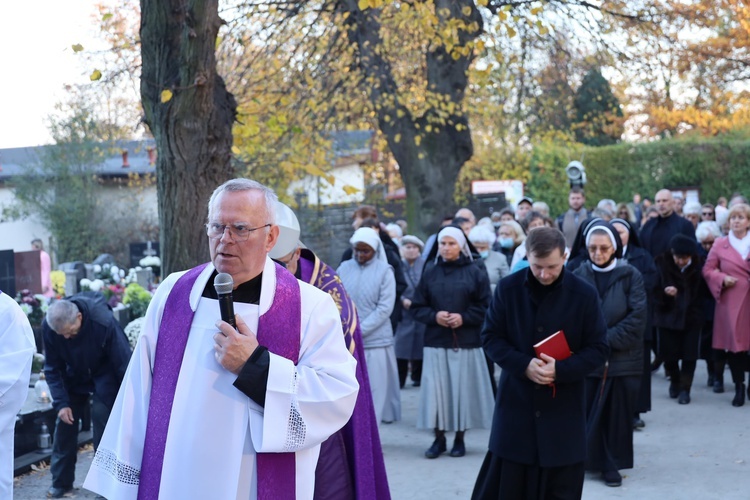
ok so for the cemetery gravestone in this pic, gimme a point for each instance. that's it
(7, 272)
(28, 271)
(141, 250)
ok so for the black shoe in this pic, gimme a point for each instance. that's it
(58, 492)
(638, 423)
(739, 395)
(459, 449)
(684, 398)
(674, 391)
(612, 478)
(416, 383)
(438, 447)
(718, 386)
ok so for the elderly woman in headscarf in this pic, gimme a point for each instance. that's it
(451, 300)
(639, 258)
(678, 312)
(369, 281)
(409, 340)
(612, 392)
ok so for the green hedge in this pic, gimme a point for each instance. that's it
(718, 166)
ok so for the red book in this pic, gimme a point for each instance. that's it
(554, 346)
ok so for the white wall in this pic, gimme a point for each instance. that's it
(351, 175)
(17, 235)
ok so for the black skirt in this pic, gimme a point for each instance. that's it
(501, 480)
(680, 344)
(609, 427)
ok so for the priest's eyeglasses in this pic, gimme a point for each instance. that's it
(238, 232)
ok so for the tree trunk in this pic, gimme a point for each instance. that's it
(430, 149)
(193, 129)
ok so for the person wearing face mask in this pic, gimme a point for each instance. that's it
(451, 300)
(495, 263)
(611, 392)
(509, 236)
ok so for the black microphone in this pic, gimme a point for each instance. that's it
(223, 283)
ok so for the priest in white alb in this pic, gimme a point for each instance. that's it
(17, 350)
(207, 411)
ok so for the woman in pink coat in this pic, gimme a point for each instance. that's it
(727, 273)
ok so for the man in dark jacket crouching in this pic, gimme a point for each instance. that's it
(87, 353)
(538, 442)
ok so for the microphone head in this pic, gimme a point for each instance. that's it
(223, 283)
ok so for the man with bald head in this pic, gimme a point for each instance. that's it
(655, 237)
(208, 409)
(657, 232)
(468, 215)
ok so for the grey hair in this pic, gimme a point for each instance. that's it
(241, 184)
(706, 229)
(540, 206)
(607, 204)
(60, 314)
(691, 208)
(480, 234)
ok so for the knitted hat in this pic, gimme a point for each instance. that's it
(682, 245)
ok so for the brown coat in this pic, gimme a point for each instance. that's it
(732, 316)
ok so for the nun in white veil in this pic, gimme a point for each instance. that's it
(451, 300)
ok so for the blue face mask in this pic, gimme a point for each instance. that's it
(506, 242)
(484, 254)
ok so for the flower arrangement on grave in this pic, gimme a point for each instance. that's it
(109, 274)
(138, 298)
(133, 331)
(58, 283)
(34, 306)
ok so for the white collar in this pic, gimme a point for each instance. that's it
(604, 269)
(267, 286)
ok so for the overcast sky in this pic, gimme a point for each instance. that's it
(36, 61)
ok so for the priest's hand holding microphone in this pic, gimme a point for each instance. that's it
(233, 346)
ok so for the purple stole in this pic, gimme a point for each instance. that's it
(360, 435)
(278, 331)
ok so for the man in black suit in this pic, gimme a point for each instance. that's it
(538, 441)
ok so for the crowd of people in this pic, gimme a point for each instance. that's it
(627, 286)
(673, 286)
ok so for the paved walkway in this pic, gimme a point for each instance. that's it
(697, 451)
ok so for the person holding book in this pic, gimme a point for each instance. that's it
(537, 445)
(612, 392)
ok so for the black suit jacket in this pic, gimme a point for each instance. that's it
(535, 424)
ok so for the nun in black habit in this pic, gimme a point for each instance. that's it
(611, 392)
(635, 255)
